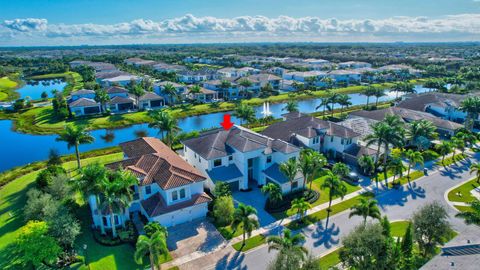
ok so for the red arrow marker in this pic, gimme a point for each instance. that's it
(226, 124)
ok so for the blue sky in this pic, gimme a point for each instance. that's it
(48, 22)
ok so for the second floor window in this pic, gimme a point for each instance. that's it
(182, 193)
(217, 162)
(269, 159)
(148, 190)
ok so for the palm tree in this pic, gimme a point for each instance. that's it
(274, 192)
(154, 246)
(366, 208)
(379, 92)
(396, 166)
(137, 91)
(344, 101)
(195, 89)
(444, 148)
(471, 106)
(287, 242)
(245, 84)
(333, 100)
(458, 144)
(290, 169)
(336, 188)
(367, 164)
(245, 216)
(116, 194)
(306, 165)
(291, 106)
(413, 158)
(165, 123)
(369, 92)
(319, 161)
(171, 91)
(102, 97)
(328, 82)
(225, 85)
(475, 168)
(471, 216)
(88, 184)
(419, 131)
(300, 206)
(340, 169)
(324, 102)
(74, 136)
(245, 113)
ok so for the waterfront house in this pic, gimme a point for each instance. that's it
(345, 76)
(121, 80)
(84, 106)
(121, 104)
(216, 85)
(117, 91)
(169, 190)
(242, 158)
(203, 96)
(150, 100)
(332, 139)
(82, 93)
(159, 89)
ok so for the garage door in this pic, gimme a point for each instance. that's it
(234, 186)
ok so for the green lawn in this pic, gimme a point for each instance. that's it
(414, 175)
(398, 228)
(13, 199)
(329, 260)
(462, 208)
(336, 208)
(450, 160)
(7, 88)
(250, 243)
(462, 193)
(73, 79)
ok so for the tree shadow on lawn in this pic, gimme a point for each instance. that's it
(10, 259)
(231, 263)
(326, 236)
(15, 203)
(401, 195)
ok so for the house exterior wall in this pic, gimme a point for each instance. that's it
(183, 215)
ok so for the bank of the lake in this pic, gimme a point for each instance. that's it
(42, 120)
(8, 85)
(73, 79)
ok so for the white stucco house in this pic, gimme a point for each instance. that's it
(242, 158)
(84, 106)
(169, 190)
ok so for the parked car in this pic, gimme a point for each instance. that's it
(352, 177)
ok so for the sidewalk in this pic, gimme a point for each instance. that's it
(275, 228)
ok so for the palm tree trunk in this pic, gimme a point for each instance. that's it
(243, 242)
(408, 174)
(368, 99)
(112, 222)
(152, 262)
(77, 153)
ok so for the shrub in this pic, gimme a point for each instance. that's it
(223, 210)
(429, 155)
(44, 178)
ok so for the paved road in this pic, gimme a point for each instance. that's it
(396, 204)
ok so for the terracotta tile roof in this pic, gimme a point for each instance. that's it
(155, 205)
(152, 161)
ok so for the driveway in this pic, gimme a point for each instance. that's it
(257, 199)
(191, 237)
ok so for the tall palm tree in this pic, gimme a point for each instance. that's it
(291, 106)
(444, 148)
(274, 192)
(366, 208)
(245, 84)
(165, 123)
(306, 165)
(369, 92)
(171, 91)
(287, 242)
(344, 101)
(471, 106)
(379, 92)
(74, 136)
(245, 217)
(336, 188)
(89, 183)
(154, 246)
(471, 216)
(319, 162)
(413, 158)
(225, 85)
(290, 169)
(419, 130)
(333, 100)
(475, 168)
(102, 97)
(300, 206)
(324, 102)
(245, 113)
(367, 164)
(396, 166)
(116, 194)
(137, 91)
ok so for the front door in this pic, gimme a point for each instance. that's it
(250, 169)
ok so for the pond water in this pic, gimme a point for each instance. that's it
(34, 89)
(20, 149)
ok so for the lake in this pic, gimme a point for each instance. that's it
(35, 88)
(19, 149)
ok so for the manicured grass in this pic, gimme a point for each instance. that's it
(336, 208)
(227, 231)
(462, 193)
(250, 243)
(462, 208)
(450, 160)
(414, 175)
(7, 88)
(398, 228)
(13, 200)
(73, 79)
(330, 260)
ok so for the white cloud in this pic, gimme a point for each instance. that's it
(190, 27)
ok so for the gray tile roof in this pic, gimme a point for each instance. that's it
(120, 100)
(150, 96)
(419, 102)
(273, 172)
(83, 92)
(84, 102)
(219, 143)
(116, 90)
(358, 151)
(307, 126)
(224, 173)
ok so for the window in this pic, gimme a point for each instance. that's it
(316, 140)
(331, 139)
(199, 160)
(294, 185)
(342, 141)
(174, 195)
(104, 220)
(195, 155)
(269, 159)
(217, 162)
(230, 158)
(117, 221)
(182, 193)
(148, 190)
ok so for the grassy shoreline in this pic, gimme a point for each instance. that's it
(8, 87)
(41, 120)
(73, 79)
